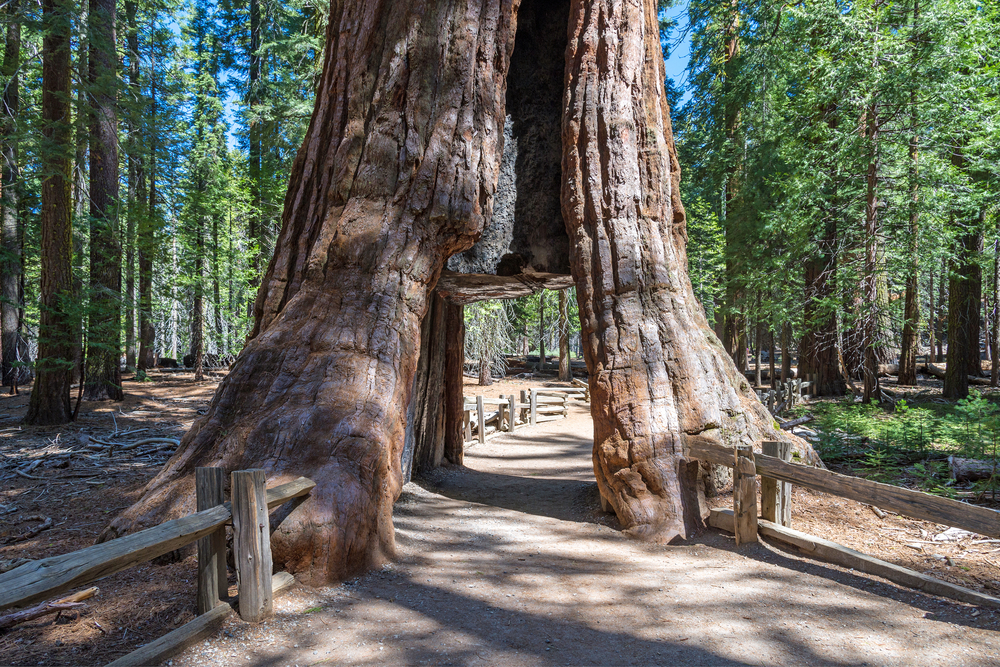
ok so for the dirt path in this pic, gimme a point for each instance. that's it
(512, 562)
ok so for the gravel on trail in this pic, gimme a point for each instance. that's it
(510, 561)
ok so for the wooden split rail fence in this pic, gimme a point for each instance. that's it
(786, 394)
(778, 474)
(248, 515)
(489, 416)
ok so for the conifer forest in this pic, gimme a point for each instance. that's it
(499, 331)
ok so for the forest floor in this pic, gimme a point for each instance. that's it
(507, 561)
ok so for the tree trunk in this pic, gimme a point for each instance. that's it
(428, 409)
(198, 304)
(818, 347)
(485, 370)
(81, 225)
(216, 290)
(735, 325)
(994, 338)
(964, 290)
(49, 402)
(136, 191)
(658, 375)
(454, 371)
(871, 324)
(931, 319)
(541, 331)
(104, 379)
(786, 352)
(10, 229)
(565, 372)
(975, 275)
(911, 307)
(941, 314)
(757, 335)
(146, 242)
(770, 359)
(397, 172)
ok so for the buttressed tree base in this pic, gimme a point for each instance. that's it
(398, 172)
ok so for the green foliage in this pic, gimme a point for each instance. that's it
(771, 144)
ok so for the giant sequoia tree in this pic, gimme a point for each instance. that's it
(398, 171)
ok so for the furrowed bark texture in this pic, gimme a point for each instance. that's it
(658, 374)
(104, 379)
(49, 402)
(10, 228)
(397, 172)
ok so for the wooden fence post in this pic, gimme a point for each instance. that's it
(481, 418)
(745, 495)
(534, 407)
(213, 585)
(775, 496)
(468, 425)
(252, 544)
(513, 412)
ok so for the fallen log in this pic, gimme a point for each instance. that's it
(52, 607)
(796, 422)
(970, 470)
(939, 373)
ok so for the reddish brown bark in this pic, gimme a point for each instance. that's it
(454, 365)
(397, 172)
(49, 403)
(964, 297)
(103, 378)
(658, 374)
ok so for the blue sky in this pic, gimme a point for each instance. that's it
(679, 53)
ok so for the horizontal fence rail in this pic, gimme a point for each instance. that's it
(43, 578)
(915, 504)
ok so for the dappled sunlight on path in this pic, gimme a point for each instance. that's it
(510, 561)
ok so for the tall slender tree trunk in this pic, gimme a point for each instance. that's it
(758, 334)
(942, 316)
(565, 372)
(216, 289)
(81, 197)
(931, 318)
(964, 295)
(146, 241)
(818, 347)
(786, 352)
(911, 306)
(770, 359)
(871, 324)
(49, 402)
(541, 331)
(974, 272)
(104, 378)
(994, 337)
(735, 325)
(198, 304)
(11, 296)
(136, 191)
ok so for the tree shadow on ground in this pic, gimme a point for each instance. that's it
(566, 500)
(937, 609)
